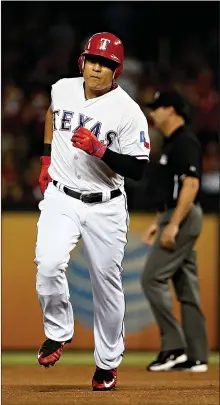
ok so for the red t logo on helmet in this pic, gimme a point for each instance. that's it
(103, 43)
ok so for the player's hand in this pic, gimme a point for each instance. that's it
(149, 235)
(44, 178)
(85, 140)
(168, 236)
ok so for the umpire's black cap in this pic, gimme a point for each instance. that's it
(171, 98)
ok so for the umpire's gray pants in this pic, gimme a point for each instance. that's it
(180, 266)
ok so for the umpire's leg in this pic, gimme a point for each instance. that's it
(161, 266)
(186, 284)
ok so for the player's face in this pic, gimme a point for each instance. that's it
(161, 115)
(98, 72)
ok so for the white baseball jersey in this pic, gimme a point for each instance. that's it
(114, 118)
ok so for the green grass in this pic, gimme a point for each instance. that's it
(72, 358)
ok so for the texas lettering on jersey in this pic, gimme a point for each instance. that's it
(82, 121)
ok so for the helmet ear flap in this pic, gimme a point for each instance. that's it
(81, 63)
(118, 71)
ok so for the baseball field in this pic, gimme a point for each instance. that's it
(69, 382)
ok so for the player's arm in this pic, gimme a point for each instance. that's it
(125, 165)
(45, 159)
(48, 132)
(135, 149)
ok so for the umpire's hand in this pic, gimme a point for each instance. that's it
(149, 235)
(168, 236)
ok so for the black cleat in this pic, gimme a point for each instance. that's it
(167, 359)
(194, 366)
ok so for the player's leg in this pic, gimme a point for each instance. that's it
(105, 237)
(186, 284)
(58, 231)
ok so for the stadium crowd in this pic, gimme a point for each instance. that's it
(38, 50)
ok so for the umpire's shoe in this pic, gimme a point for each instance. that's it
(50, 352)
(167, 359)
(193, 366)
(104, 380)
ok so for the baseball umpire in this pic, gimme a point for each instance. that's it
(173, 236)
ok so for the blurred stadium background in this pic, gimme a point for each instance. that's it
(166, 44)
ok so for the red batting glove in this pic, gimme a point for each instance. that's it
(85, 140)
(44, 178)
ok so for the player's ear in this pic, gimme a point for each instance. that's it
(171, 110)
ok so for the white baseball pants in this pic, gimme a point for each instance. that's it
(103, 229)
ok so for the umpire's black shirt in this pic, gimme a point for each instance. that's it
(181, 156)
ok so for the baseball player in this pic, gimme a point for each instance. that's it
(95, 135)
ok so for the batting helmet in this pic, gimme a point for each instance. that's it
(106, 45)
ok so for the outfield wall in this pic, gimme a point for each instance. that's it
(21, 315)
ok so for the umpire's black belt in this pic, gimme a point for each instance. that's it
(164, 207)
(88, 198)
